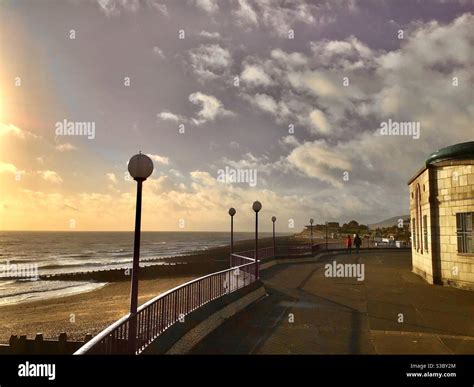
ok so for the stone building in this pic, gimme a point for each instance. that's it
(442, 217)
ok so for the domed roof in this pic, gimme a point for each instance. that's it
(462, 151)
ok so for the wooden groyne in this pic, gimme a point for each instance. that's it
(147, 272)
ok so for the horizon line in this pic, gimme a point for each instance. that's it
(132, 231)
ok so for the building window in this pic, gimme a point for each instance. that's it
(413, 232)
(425, 232)
(465, 226)
(418, 220)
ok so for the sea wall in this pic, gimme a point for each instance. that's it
(22, 345)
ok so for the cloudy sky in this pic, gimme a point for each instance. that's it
(294, 90)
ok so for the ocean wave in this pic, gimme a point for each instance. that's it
(47, 290)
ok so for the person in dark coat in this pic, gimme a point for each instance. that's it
(357, 243)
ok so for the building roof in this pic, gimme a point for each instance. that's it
(463, 151)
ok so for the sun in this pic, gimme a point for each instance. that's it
(1, 106)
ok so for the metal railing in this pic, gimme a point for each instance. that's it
(161, 312)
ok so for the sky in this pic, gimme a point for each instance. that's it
(292, 92)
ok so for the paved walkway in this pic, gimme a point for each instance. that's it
(308, 313)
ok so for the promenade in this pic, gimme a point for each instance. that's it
(392, 311)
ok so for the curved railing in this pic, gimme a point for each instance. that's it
(161, 312)
(133, 333)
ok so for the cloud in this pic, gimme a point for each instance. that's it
(115, 7)
(245, 14)
(290, 60)
(109, 7)
(15, 131)
(10, 129)
(65, 147)
(162, 8)
(50, 176)
(255, 75)
(111, 177)
(319, 121)
(348, 54)
(266, 103)
(210, 61)
(209, 6)
(210, 35)
(211, 108)
(168, 116)
(8, 168)
(290, 140)
(159, 159)
(317, 159)
(404, 87)
(413, 82)
(158, 51)
(278, 15)
(201, 201)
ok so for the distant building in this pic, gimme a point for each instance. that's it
(442, 217)
(353, 224)
(333, 224)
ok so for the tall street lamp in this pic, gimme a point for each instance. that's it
(326, 235)
(311, 221)
(257, 206)
(274, 245)
(231, 213)
(140, 168)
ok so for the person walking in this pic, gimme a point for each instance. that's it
(357, 243)
(349, 244)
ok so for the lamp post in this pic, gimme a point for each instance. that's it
(257, 206)
(274, 245)
(311, 221)
(326, 235)
(231, 213)
(140, 168)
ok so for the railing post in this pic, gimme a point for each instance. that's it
(199, 293)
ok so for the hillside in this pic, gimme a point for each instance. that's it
(389, 222)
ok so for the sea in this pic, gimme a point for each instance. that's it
(66, 252)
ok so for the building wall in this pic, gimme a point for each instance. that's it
(421, 258)
(446, 189)
(455, 194)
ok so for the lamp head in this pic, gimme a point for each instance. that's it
(257, 206)
(140, 167)
(274, 219)
(232, 211)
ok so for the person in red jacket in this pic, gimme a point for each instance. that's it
(349, 244)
